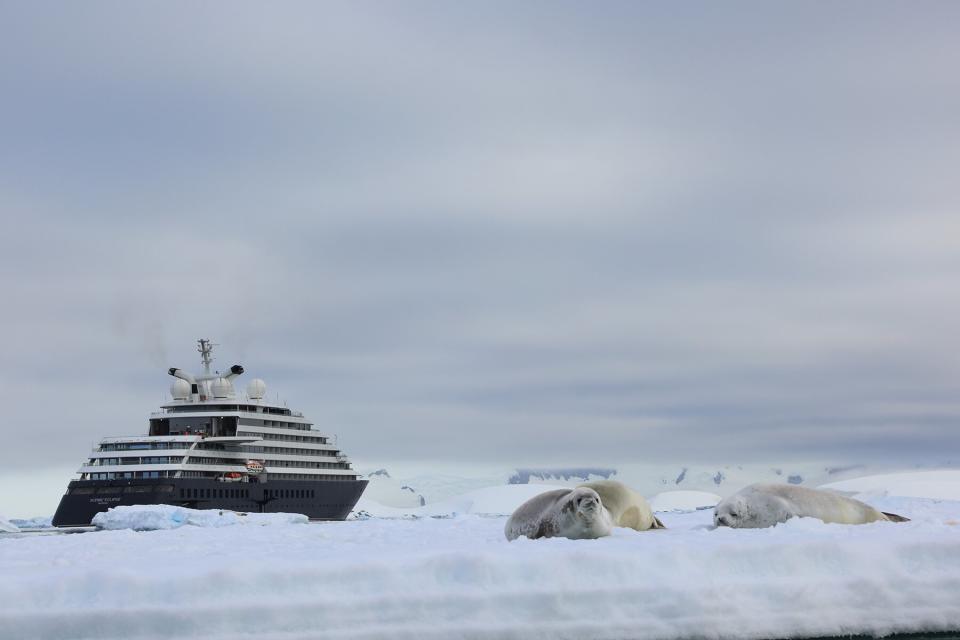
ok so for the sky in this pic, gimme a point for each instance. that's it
(487, 233)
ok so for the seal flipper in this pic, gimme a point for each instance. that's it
(892, 517)
(657, 524)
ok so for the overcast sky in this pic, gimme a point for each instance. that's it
(488, 233)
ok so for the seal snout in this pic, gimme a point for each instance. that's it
(588, 505)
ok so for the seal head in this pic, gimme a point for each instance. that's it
(567, 513)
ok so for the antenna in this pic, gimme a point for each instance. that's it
(205, 347)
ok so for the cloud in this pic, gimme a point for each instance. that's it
(494, 234)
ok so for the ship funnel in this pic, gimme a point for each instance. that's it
(194, 389)
(183, 375)
(235, 370)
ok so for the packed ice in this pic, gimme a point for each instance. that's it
(7, 526)
(451, 573)
(162, 516)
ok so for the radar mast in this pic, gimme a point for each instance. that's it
(205, 347)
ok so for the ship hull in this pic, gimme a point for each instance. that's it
(320, 500)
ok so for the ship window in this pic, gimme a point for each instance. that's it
(83, 491)
(140, 489)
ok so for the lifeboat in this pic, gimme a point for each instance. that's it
(232, 476)
(254, 467)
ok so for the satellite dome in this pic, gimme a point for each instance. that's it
(256, 389)
(221, 388)
(180, 389)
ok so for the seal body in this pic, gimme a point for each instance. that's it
(627, 508)
(566, 513)
(764, 505)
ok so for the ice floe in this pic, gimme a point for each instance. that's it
(162, 516)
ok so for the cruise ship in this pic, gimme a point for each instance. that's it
(210, 448)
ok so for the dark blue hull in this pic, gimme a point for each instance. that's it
(319, 500)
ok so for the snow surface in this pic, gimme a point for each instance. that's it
(163, 516)
(943, 485)
(503, 500)
(490, 501)
(683, 500)
(459, 578)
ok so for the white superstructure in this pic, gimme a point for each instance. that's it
(209, 431)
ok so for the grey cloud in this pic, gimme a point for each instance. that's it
(445, 231)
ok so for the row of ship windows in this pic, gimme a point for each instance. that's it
(215, 461)
(229, 407)
(143, 446)
(273, 476)
(276, 424)
(138, 446)
(132, 460)
(129, 475)
(204, 474)
(79, 491)
(245, 493)
(305, 465)
(289, 493)
(293, 452)
(214, 493)
(306, 476)
(288, 438)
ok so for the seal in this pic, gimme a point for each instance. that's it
(764, 505)
(567, 513)
(627, 508)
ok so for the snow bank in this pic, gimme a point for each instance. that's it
(941, 485)
(490, 501)
(683, 500)
(459, 578)
(163, 516)
(8, 527)
(500, 501)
